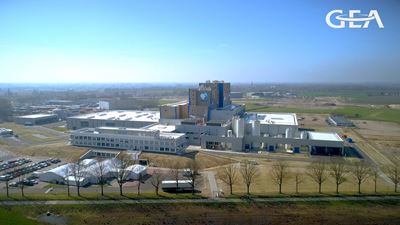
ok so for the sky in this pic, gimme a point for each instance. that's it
(195, 40)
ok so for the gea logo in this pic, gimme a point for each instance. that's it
(355, 19)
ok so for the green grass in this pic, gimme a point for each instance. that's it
(14, 217)
(353, 112)
(96, 196)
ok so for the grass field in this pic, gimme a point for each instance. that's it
(97, 196)
(384, 212)
(53, 150)
(30, 134)
(167, 160)
(356, 112)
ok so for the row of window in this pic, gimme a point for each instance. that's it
(111, 145)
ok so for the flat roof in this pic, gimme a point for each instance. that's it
(35, 116)
(322, 136)
(277, 118)
(161, 127)
(124, 115)
(176, 103)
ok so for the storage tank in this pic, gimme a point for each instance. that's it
(238, 127)
(255, 128)
(288, 133)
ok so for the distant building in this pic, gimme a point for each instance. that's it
(339, 121)
(104, 105)
(236, 94)
(59, 102)
(36, 119)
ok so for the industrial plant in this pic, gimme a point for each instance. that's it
(208, 119)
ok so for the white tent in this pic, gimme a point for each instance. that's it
(56, 175)
(134, 171)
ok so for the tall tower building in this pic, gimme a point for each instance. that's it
(209, 95)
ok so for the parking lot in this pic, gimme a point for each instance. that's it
(21, 171)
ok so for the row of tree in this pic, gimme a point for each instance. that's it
(120, 166)
(319, 171)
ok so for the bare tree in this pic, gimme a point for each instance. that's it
(21, 185)
(140, 180)
(100, 174)
(156, 180)
(338, 171)
(122, 162)
(317, 172)
(175, 173)
(393, 172)
(298, 179)
(279, 173)
(193, 166)
(67, 171)
(7, 187)
(229, 175)
(360, 171)
(375, 176)
(249, 172)
(78, 172)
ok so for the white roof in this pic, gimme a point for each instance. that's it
(125, 115)
(161, 127)
(324, 136)
(61, 170)
(35, 116)
(277, 118)
(174, 182)
(136, 168)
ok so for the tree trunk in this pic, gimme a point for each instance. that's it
(78, 189)
(375, 186)
(337, 188)
(7, 188)
(68, 190)
(280, 188)
(22, 191)
(359, 187)
(297, 188)
(395, 187)
(102, 189)
(120, 189)
(231, 188)
(319, 188)
(156, 191)
(138, 188)
(248, 189)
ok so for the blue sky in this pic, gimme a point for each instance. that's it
(192, 41)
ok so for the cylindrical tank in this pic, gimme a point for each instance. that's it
(255, 128)
(288, 133)
(229, 134)
(238, 127)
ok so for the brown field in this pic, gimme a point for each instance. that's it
(166, 160)
(380, 140)
(241, 213)
(264, 184)
(53, 150)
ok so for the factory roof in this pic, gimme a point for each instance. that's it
(35, 116)
(277, 118)
(320, 136)
(125, 115)
(161, 127)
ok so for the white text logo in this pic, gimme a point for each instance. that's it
(355, 19)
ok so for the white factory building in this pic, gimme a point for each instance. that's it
(212, 122)
(140, 139)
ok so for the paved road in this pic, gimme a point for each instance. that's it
(213, 184)
(166, 201)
